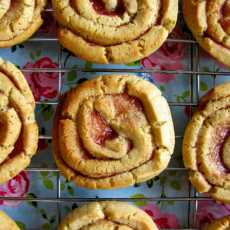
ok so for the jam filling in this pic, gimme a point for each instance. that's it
(101, 130)
(99, 7)
(221, 136)
(225, 17)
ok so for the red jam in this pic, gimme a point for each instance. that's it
(123, 103)
(225, 17)
(101, 130)
(222, 135)
(99, 7)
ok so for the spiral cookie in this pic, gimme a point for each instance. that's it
(7, 222)
(220, 224)
(209, 21)
(114, 31)
(18, 129)
(112, 132)
(109, 216)
(207, 144)
(19, 20)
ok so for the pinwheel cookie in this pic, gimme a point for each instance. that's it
(113, 131)
(108, 216)
(19, 20)
(7, 223)
(206, 144)
(18, 129)
(220, 224)
(114, 31)
(209, 21)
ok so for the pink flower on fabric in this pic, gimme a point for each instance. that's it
(16, 187)
(43, 84)
(163, 220)
(168, 57)
(210, 210)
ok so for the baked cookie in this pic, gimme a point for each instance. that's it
(19, 20)
(114, 31)
(7, 222)
(108, 216)
(113, 131)
(220, 224)
(18, 128)
(206, 147)
(209, 21)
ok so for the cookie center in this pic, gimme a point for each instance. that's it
(226, 152)
(108, 7)
(101, 130)
(225, 19)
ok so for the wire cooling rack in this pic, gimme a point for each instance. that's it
(194, 74)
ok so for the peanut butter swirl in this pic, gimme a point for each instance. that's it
(18, 128)
(209, 21)
(19, 20)
(113, 131)
(206, 144)
(108, 216)
(114, 31)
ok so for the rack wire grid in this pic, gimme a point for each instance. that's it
(194, 74)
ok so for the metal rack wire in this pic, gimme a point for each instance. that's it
(193, 73)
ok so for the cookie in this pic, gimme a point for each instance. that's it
(220, 224)
(108, 216)
(209, 22)
(18, 128)
(19, 20)
(7, 222)
(112, 132)
(115, 31)
(206, 144)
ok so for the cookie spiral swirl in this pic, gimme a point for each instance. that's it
(107, 215)
(19, 20)
(112, 132)
(18, 128)
(206, 144)
(126, 30)
(209, 21)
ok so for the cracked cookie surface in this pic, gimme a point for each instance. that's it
(206, 144)
(19, 20)
(113, 131)
(18, 128)
(209, 21)
(115, 31)
(108, 216)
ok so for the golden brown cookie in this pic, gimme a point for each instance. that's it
(209, 21)
(19, 20)
(114, 31)
(6, 223)
(108, 216)
(113, 131)
(206, 149)
(220, 224)
(18, 128)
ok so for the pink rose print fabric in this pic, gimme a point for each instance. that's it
(43, 85)
(209, 211)
(17, 187)
(163, 220)
(169, 57)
